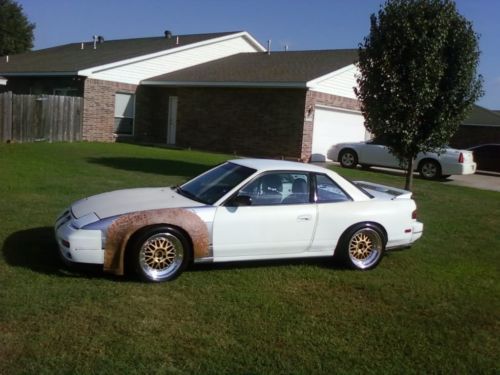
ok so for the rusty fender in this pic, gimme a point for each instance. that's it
(120, 231)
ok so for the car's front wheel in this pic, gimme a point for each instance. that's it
(429, 169)
(363, 247)
(348, 158)
(160, 254)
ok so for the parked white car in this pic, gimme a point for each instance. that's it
(244, 209)
(430, 165)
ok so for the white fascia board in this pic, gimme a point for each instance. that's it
(316, 81)
(116, 64)
(39, 74)
(300, 85)
(338, 109)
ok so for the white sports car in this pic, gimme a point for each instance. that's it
(430, 165)
(245, 209)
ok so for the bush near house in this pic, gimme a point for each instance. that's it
(433, 308)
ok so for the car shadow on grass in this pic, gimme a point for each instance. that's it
(36, 249)
(153, 166)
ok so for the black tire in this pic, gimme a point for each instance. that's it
(429, 169)
(362, 247)
(160, 253)
(348, 158)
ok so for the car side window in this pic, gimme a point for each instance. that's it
(278, 188)
(328, 191)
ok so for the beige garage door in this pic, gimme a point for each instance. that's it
(333, 126)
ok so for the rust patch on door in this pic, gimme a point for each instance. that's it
(125, 226)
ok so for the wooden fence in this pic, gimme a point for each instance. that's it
(30, 118)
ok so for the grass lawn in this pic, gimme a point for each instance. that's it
(432, 309)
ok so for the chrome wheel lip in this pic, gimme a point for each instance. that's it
(347, 159)
(365, 248)
(161, 256)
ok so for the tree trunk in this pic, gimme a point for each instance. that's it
(409, 174)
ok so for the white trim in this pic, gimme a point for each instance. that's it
(322, 106)
(116, 64)
(3, 81)
(318, 80)
(225, 84)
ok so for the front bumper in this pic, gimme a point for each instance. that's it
(78, 245)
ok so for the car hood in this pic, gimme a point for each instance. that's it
(120, 202)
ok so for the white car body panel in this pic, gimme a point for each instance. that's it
(263, 230)
(248, 232)
(379, 155)
(130, 200)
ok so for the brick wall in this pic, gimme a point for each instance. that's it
(472, 135)
(245, 121)
(314, 98)
(99, 109)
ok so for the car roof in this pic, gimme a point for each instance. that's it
(273, 165)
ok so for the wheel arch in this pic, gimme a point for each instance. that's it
(361, 224)
(422, 161)
(121, 230)
(347, 149)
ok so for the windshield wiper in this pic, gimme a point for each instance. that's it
(188, 194)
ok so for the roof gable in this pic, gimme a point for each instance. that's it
(71, 58)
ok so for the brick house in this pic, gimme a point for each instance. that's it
(218, 91)
(482, 126)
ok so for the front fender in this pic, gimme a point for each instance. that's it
(120, 231)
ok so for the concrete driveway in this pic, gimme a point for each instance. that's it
(479, 180)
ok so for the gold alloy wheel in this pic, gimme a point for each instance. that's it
(161, 255)
(365, 248)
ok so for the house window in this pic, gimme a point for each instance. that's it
(124, 114)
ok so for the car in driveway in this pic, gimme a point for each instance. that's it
(245, 209)
(487, 157)
(430, 165)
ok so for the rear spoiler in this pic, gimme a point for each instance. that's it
(378, 190)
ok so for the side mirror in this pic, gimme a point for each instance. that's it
(241, 200)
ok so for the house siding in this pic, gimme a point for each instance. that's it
(135, 72)
(341, 84)
(99, 109)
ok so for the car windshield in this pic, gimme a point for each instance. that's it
(210, 186)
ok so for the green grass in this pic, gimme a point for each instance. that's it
(432, 309)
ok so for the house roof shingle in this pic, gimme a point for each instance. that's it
(70, 58)
(482, 116)
(277, 67)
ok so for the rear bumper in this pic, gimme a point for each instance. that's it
(417, 230)
(457, 168)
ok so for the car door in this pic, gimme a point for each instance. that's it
(375, 152)
(278, 219)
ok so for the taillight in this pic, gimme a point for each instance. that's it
(414, 215)
(461, 158)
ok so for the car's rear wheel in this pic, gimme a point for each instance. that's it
(429, 169)
(160, 254)
(363, 247)
(348, 158)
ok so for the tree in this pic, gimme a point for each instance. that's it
(16, 32)
(418, 76)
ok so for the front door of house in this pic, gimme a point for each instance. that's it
(171, 119)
